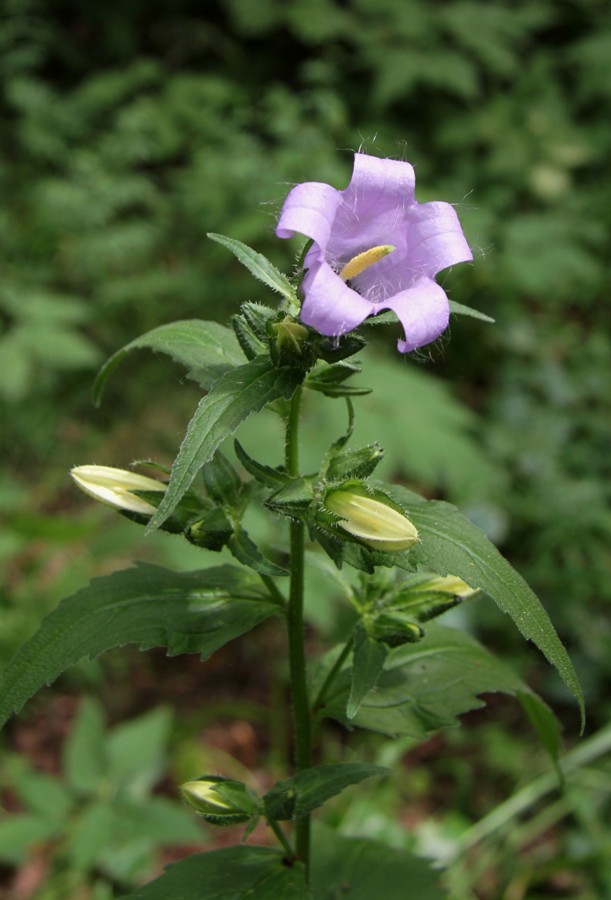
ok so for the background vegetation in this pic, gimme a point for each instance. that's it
(128, 131)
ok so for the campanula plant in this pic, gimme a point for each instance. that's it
(370, 249)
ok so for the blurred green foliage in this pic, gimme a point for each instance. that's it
(128, 131)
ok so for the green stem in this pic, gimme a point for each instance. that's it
(282, 838)
(333, 672)
(297, 660)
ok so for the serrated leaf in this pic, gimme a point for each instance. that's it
(187, 612)
(360, 869)
(458, 309)
(230, 401)
(310, 788)
(451, 545)
(258, 265)
(206, 349)
(367, 663)
(229, 874)
(424, 687)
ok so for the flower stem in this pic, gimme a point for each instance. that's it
(297, 661)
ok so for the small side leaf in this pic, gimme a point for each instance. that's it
(310, 788)
(260, 472)
(206, 349)
(258, 265)
(246, 551)
(458, 309)
(231, 400)
(368, 661)
(187, 612)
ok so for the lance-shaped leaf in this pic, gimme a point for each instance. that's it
(231, 400)
(259, 266)
(206, 349)
(187, 612)
(451, 545)
(425, 686)
(244, 871)
(310, 788)
(367, 663)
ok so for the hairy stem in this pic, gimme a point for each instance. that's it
(297, 660)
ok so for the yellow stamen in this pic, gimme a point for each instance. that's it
(362, 261)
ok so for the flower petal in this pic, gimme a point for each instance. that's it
(424, 312)
(330, 306)
(435, 239)
(309, 209)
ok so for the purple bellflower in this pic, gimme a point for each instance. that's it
(374, 248)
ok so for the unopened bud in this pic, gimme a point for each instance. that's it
(221, 801)
(115, 487)
(371, 520)
(448, 584)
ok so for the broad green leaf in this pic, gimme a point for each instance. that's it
(40, 793)
(424, 687)
(359, 869)
(93, 830)
(231, 399)
(136, 751)
(21, 831)
(458, 309)
(309, 789)
(258, 265)
(367, 663)
(85, 763)
(451, 545)
(207, 349)
(187, 612)
(230, 874)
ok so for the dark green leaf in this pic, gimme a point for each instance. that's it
(187, 612)
(247, 552)
(223, 484)
(207, 349)
(368, 661)
(263, 474)
(258, 265)
(425, 686)
(451, 545)
(309, 789)
(231, 400)
(234, 873)
(359, 869)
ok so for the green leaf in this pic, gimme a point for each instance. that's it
(84, 757)
(229, 874)
(21, 831)
(246, 551)
(223, 484)
(368, 661)
(260, 472)
(207, 349)
(187, 612)
(310, 788)
(424, 687)
(230, 401)
(359, 869)
(259, 266)
(451, 545)
(136, 751)
(458, 309)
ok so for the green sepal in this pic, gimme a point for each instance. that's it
(419, 602)
(333, 350)
(459, 309)
(223, 484)
(265, 475)
(235, 803)
(395, 629)
(293, 499)
(354, 463)
(307, 790)
(290, 344)
(342, 548)
(210, 532)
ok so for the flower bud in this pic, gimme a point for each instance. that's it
(371, 519)
(115, 487)
(220, 801)
(448, 584)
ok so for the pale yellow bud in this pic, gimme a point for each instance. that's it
(449, 584)
(115, 486)
(374, 522)
(362, 261)
(203, 797)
